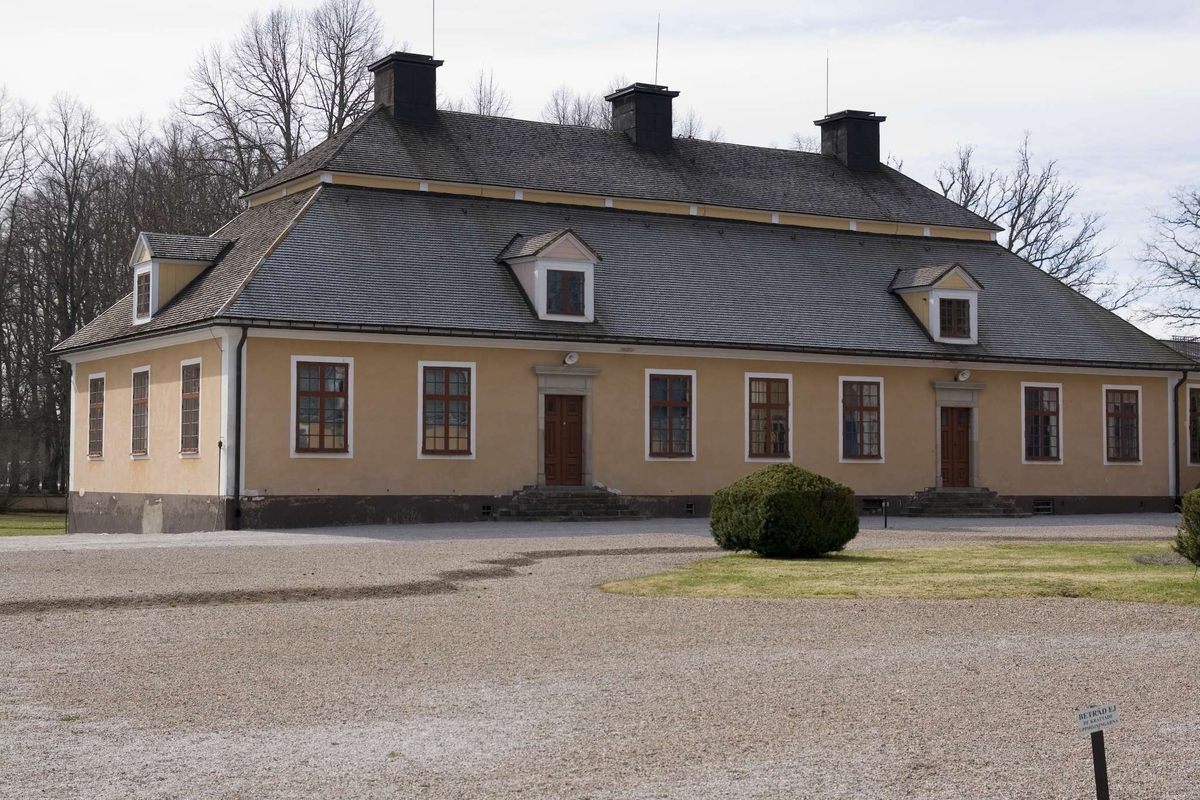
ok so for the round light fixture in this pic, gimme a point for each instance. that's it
(962, 376)
(571, 358)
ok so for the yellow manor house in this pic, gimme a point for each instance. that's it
(444, 316)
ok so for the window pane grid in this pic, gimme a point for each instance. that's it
(141, 413)
(447, 411)
(189, 412)
(1041, 424)
(564, 292)
(671, 416)
(321, 407)
(768, 417)
(143, 294)
(955, 318)
(96, 417)
(860, 419)
(1121, 423)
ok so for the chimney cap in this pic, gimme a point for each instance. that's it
(641, 88)
(411, 58)
(849, 113)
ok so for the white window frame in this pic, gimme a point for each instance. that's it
(777, 376)
(542, 268)
(1062, 438)
(841, 420)
(473, 439)
(695, 431)
(1187, 421)
(936, 295)
(132, 372)
(1104, 390)
(349, 362)
(103, 421)
(199, 408)
(151, 268)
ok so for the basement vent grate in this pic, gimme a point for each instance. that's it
(485, 510)
(690, 509)
(1043, 505)
(872, 505)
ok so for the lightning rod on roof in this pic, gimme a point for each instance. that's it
(657, 37)
(827, 82)
(433, 29)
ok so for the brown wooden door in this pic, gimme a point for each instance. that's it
(956, 447)
(564, 440)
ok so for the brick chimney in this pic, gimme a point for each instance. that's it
(642, 111)
(852, 137)
(407, 84)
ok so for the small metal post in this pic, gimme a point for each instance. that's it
(885, 510)
(1100, 765)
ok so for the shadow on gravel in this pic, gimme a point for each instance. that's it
(444, 583)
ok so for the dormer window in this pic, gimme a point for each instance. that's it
(564, 292)
(955, 322)
(143, 294)
(555, 271)
(945, 299)
(163, 265)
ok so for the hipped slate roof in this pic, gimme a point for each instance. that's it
(185, 248)
(417, 262)
(1189, 347)
(469, 148)
(251, 232)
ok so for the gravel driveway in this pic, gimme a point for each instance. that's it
(468, 661)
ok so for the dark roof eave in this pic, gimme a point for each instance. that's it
(423, 330)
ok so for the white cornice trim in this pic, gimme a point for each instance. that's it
(142, 345)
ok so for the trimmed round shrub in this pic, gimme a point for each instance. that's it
(783, 511)
(1187, 537)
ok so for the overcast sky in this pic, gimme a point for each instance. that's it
(1108, 88)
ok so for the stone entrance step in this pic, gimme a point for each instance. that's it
(960, 502)
(567, 504)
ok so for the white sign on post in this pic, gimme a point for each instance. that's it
(1097, 718)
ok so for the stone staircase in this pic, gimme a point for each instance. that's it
(957, 502)
(567, 504)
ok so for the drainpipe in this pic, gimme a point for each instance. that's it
(237, 434)
(1175, 422)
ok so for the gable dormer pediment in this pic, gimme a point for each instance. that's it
(945, 299)
(163, 264)
(556, 271)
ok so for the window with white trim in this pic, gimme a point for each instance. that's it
(140, 416)
(446, 410)
(861, 423)
(769, 415)
(671, 414)
(189, 408)
(96, 416)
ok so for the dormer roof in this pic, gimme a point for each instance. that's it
(929, 277)
(523, 246)
(175, 247)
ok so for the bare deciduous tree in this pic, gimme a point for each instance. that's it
(345, 37)
(1172, 255)
(691, 126)
(270, 69)
(487, 97)
(1033, 203)
(806, 143)
(566, 107)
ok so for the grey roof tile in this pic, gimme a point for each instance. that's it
(500, 151)
(1188, 347)
(424, 261)
(251, 232)
(189, 248)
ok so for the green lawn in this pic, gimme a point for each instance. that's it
(1098, 571)
(32, 524)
